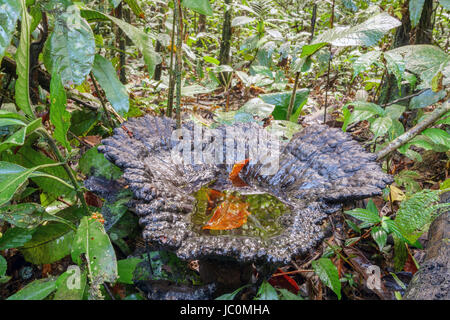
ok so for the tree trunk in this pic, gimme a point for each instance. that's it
(225, 45)
(405, 35)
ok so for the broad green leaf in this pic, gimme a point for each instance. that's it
(281, 102)
(199, 6)
(426, 99)
(394, 111)
(142, 40)
(92, 240)
(328, 274)
(3, 266)
(381, 126)
(94, 163)
(12, 177)
(287, 295)
(283, 129)
(310, 49)
(50, 243)
(36, 290)
(15, 238)
(71, 285)
(242, 20)
(395, 65)
(18, 137)
(211, 60)
(115, 91)
(266, 292)
(367, 33)
(425, 61)
(415, 11)
(365, 61)
(135, 7)
(125, 269)
(70, 49)
(369, 107)
(59, 116)
(364, 215)
(438, 136)
(9, 13)
(230, 296)
(372, 207)
(257, 107)
(380, 237)
(23, 215)
(22, 89)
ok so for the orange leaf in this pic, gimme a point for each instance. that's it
(234, 174)
(228, 215)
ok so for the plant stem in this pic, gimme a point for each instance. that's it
(66, 167)
(171, 71)
(328, 72)
(404, 138)
(179, 65)
(111, 124)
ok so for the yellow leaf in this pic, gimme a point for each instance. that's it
(396, 194)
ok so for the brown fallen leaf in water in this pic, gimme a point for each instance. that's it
(234, 174)
(228, 215)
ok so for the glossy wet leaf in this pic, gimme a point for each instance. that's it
(115, 91)
(283, 129)
(425, 61)
(18, 137)
(22, 87)
(93, 163)
(380, 237)
(199, 6)
(381, 126)
(142, 40)
(36, 290)
(328, 274)
(228, 215)
(92, 240)
(15, 238)
(71, 285)
(266, 292)
(367, 33)
(232, 295)
(257, 107)
(9, 13)
(287, 295)
(59, 116)
(281, 102)
(426, 99)
(70, 49)
(415, 11)
(12, 176)
(125, 269)
(365, 61)
(364, 215)
(438, 136)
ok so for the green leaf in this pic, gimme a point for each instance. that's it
(310, 49)
(266, 292)
(395, 65)
(364, 62)
(287, 295)
(59, 116)
(283, 129)
(92, 240)
(401, 254)
(94, 163)
(50, 243)
(367, 33)
(380, 237)
(415, 11)
(15, 238)
(230, 296)
(71, 285)
(9, 13)
(394, 111)
(24, 215)
(115, 91)
(426, 99)
(281, 102)
(425, 61)
(257, 107)
(18, 137)
(328, 274)
(22, 88)
(199, 6)
(242, 20)
(364, 215)
(115, 3)
(136, 8)
(438, 136)
(3, 266)
(142, 40)
(12, 177)
(125, 269)
(211, 60)
(381, 126)
(36, 290)
(70, 49)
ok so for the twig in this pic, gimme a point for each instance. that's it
(171, 72)
(404, 138)
(111, 124)
(404, 98)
